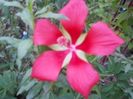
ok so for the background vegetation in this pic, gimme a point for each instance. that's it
(17, 51)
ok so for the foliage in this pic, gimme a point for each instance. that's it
(17, 52)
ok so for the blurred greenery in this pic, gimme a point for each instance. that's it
(16, 28)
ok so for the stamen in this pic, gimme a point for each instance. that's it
(64, 42)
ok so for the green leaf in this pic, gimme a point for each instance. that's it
(62, 82)
(26, 76)
(11, 4)
(53, 15)
(34, 91)
(45, 92)
(121, 17)
(60, 3)
(43, 10)
(96, 88)
(29, 4)
(10, 40)
(8, 82)
(22, 49)
(5, 65)
(7, 97)
(26, 87)
(114, 67)
(108, 88)
(26, 17)
(47, 96)
(130, 91)
(128, 67)
(67, 96)
(94, 96)
(100, 67)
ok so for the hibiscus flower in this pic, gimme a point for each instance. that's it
(69, 47)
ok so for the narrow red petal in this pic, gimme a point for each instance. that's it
(101, 40)
(45, 32)
(48, 65)
(81, 76)
(76, 11)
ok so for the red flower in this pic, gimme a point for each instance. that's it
(100, 40)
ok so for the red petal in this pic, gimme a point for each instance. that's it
(45, 32)
(48, 65)
(101, 40)
(81, 76)
(76, 11)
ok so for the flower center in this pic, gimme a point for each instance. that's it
(72, 48)
(64, 42)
